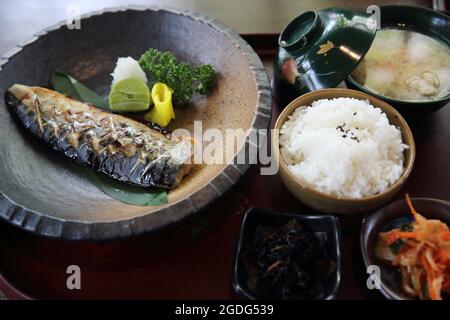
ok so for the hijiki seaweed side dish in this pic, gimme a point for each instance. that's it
(288, 262)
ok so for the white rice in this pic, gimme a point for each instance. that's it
(127, 68)
(363, 161)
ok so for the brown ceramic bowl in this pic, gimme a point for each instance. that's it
(328, 203)
(387, 218)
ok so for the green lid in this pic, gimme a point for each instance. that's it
(320, 49)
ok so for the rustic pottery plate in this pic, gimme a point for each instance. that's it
(41, 193)
(389, 217)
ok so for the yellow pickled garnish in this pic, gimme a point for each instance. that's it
(162, 111)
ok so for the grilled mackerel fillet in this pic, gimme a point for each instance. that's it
(117, 146)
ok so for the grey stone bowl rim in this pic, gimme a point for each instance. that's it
(48, 226)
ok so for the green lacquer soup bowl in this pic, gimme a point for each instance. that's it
(319, 50)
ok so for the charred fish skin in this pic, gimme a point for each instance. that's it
(119, 147)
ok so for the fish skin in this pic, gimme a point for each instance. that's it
(52, 118)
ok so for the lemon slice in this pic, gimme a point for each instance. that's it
(128, 95)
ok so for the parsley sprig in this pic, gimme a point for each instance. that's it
(184, 79)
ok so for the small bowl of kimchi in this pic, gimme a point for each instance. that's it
(406, 249)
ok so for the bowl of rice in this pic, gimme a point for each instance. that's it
(342, 151)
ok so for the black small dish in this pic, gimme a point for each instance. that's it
(390, 217)
(261, 217)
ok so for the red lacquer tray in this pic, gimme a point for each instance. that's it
(193, 260)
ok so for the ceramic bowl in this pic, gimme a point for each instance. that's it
(329, 203)
(423, 20)
(327, 227)
(385, 219)
(41, 193)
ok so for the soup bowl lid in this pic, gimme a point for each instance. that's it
(319, 49)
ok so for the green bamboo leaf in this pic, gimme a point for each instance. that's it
(124, 192)
(132, 194)
(61, 83)
(68, 85)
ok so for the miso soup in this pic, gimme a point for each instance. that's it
(405, 65)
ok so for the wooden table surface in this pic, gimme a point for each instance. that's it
(194, 260)
(20, 19)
